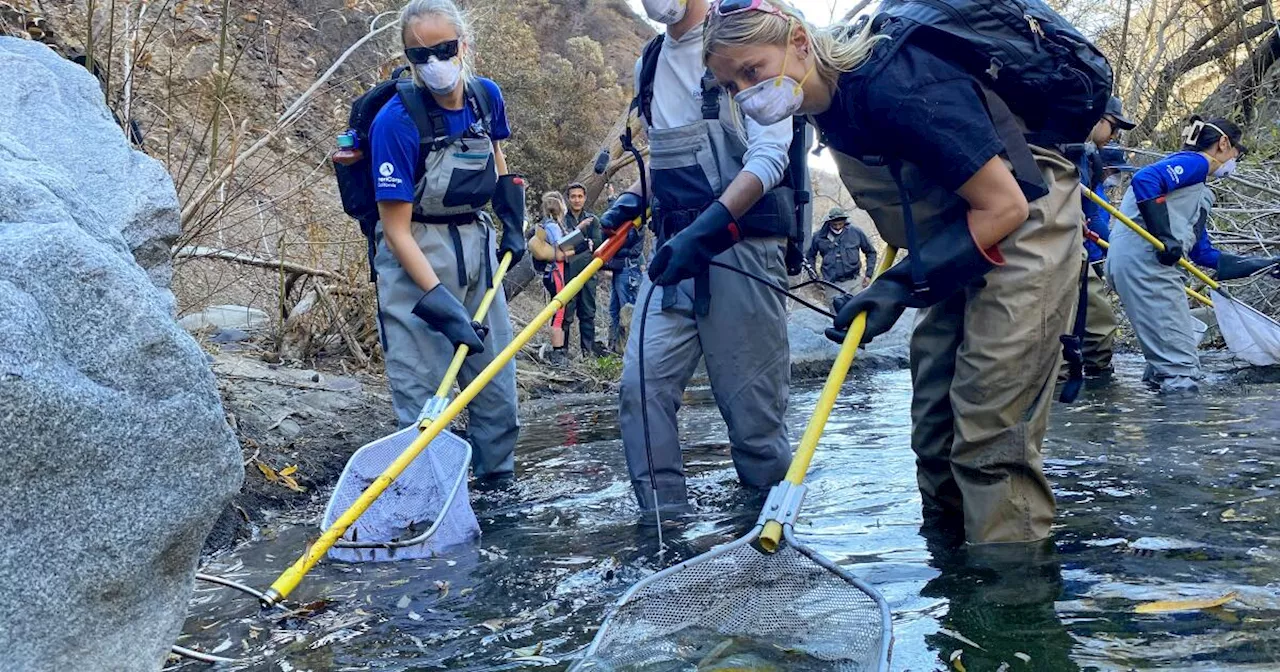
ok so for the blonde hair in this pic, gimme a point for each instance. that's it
(553, 205)
(837, 48)
(421, 9)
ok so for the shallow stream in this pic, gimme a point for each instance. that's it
(1158, 499)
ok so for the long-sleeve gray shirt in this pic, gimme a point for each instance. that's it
(677, 101)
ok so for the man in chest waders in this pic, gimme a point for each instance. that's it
(435, 253)
(716, 180)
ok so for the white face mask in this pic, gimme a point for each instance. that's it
(440, 77)
(1226, 168)
(1111, 182)
(773, 100)
(665, 12)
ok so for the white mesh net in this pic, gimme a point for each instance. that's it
(431, 490)
(794, 608)
(1252, 336)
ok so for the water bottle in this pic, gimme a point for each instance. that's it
(348, 151)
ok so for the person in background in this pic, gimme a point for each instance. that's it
(839, 244)
(545, 247)
(718, 186)
(625, 268)
(1100, 317)
(998, 271)
(436, 252)
(584, 304)
(1171, 199)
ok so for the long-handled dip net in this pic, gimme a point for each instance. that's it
(764, 596)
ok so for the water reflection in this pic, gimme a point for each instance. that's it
(1158, 499)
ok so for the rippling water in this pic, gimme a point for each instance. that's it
(1158, 499)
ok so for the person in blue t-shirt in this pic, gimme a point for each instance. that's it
(436, 253)
(1100, 326)
(1171, 200)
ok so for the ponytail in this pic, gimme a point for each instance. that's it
(1201, 135)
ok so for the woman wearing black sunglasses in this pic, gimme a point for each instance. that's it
(996, 275)
(437, 161)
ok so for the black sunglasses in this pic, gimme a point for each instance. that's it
(443, 52)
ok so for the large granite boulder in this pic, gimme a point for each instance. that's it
(117, 454)
(55, 109)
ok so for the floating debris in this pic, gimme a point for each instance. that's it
(1171, 606)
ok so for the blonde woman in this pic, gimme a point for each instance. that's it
(545, 246)
(436, 250)
(995, 275)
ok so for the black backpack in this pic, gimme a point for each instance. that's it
(1048, 74)
(797, 157)
(355, 180)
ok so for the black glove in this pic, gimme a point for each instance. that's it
(625, 208)
(1155, 215)
(508, 205)
(950, 260)
(689, 252)
(1233, 266)
(442, 311)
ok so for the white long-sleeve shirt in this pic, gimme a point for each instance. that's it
(677, 101)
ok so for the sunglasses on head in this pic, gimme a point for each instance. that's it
(731, 7)
(443, 52)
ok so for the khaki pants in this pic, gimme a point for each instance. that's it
(983, 365)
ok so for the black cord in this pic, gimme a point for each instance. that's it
(644, 410)
(775, 287)
(629, 146)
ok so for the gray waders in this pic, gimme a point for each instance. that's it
(737, 325)
(1152, 293)
(458, 241)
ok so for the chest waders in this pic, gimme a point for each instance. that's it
(1153, 294)
(984, 359)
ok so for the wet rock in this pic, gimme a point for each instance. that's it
(812, 353)
(229, 336)
(53, 109)
(117, 453)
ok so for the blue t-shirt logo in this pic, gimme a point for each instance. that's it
(386, 176)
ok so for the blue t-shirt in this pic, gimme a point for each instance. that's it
(393, 141)
(1176, 171)
(1099, 221)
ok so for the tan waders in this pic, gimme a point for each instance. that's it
(984, 361)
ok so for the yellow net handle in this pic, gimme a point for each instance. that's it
(1096, 240)
(1197, 273)
(291, 577)
(451, 374)
(772, 533)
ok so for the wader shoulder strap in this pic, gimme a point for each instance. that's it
(644, 88)
(919, 283)
(1025, 170)
(416, 105)
(429, 117)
